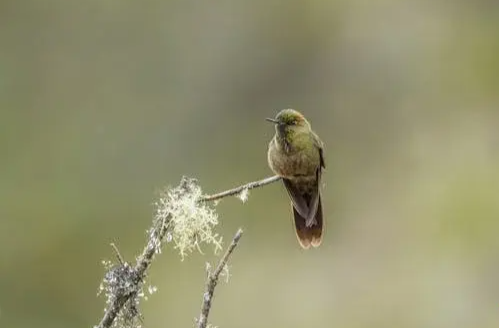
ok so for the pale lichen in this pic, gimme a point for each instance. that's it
(225, 273)
(189, 221)
(243, 195)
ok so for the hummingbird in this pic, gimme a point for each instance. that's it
(296, 154)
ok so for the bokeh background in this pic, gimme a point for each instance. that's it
(103, 103)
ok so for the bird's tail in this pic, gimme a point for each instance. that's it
(309, 235)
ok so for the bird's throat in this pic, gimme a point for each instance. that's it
(283, 139)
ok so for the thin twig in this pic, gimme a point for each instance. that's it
(212, 281)
(238, 190)
(118, 254)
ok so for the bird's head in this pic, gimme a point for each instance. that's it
(288, 122)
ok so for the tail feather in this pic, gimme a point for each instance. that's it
(309, 235)
(316, 230)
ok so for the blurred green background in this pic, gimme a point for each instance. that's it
(103, 103)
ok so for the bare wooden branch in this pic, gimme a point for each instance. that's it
(236, 191)
(112, 311)
(212, 281)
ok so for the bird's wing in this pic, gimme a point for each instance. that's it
(306, 204)
(314, 201)
(297, 198)
(321, 154)
(320, 146)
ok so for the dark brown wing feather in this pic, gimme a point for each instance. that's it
(316, 230)
(297, 198)
(321, 154)
(320, 145)
(309, 235)
(313, 200)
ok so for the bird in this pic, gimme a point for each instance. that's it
(296, 154)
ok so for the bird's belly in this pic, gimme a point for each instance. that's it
(300, 163)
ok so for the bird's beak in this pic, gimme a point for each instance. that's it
(272, 120)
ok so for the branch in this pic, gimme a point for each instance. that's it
(240, 189)
(123, 282)
(124, 275)
(212, 281)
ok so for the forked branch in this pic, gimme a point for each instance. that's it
(212, 281)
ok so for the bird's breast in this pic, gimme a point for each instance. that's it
(299, 163)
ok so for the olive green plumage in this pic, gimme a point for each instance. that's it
(296, 154)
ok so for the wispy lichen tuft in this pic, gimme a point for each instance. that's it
(243, 195)
(225, 273)
(189, 221)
